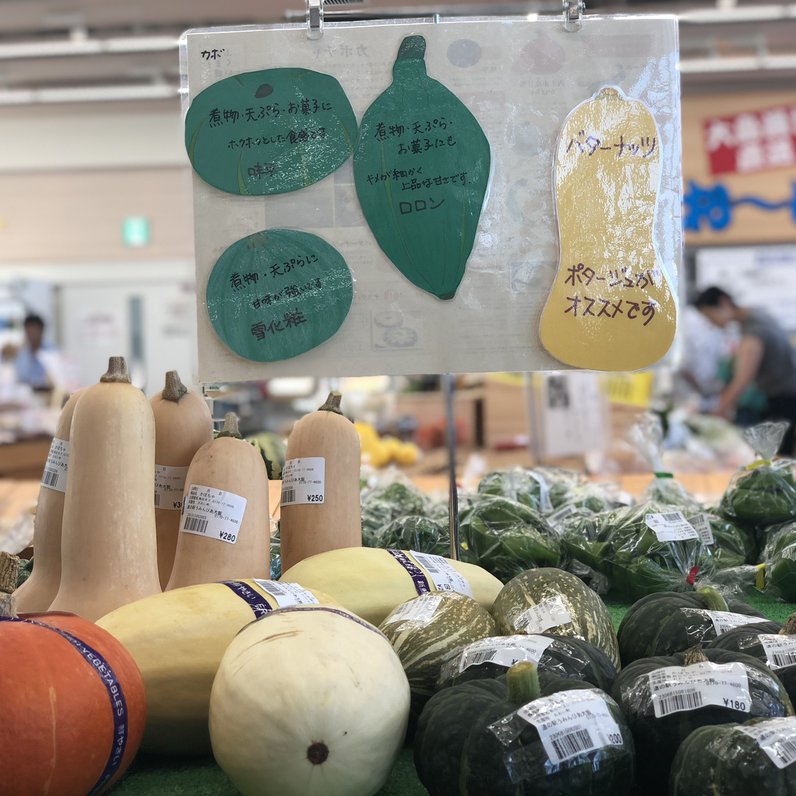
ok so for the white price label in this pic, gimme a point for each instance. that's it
(54, 475)
(780, 650)
(445, 577)
(287, 594)
(543, 616)
(675, 689)
(727, 620)
(303, 481)
(504, 651)
(671, 526)
(420, 610)
(572, 723)
(212, 513)
(169, 486)
(701, 524)
(777, 738)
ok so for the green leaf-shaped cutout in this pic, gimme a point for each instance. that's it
(278, 293)
(270, 132)
(421, 168)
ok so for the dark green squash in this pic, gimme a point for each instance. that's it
(555, 592)
(565, 656)
(747, 640)
(657, 739)
(725, 760)
(641, 632)
(457, 752)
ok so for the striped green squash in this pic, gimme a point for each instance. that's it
(555, 602)
(424, 631)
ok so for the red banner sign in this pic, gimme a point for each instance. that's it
(752, 141)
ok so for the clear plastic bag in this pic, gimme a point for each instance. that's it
(764, 492)
(779, 559)
(413, 532)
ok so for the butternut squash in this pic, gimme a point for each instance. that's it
(320, 485)
(182, 425)
(225, 525)
(109, 548)
(37, 593)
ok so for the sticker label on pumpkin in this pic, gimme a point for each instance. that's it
(671, 526)
(54, 475)
(504, 651)
(303, 481)
(780, 650)
(541, 617)
(212, 513)
(572, 723)
(726, 620)
(169, 486)
(287, 594)
(701, 524)
(420, 610)
(777, 738)
(676, 689)
(444, 576)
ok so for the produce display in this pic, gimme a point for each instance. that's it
(664, 699)
(779, 556)
(274, 727)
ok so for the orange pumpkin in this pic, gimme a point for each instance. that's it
(72, 706)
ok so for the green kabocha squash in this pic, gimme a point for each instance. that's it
(567, 657)
(769, 642)
(757, 756)
(641, 632)
(424, 630)
(664, 699)
(492, 737)
(556, 602)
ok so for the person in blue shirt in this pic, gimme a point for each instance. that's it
(28, 365)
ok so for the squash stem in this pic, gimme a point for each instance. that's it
(712, 599)
(523, 683)
(174, 389)
(230, 427)
(332, 403)
(693, 655)
(117, 372)
(789, 628)
(9, 571)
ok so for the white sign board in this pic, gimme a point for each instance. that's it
(520, 78)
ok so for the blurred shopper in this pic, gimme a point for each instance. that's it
(764, 358)
(30, 362)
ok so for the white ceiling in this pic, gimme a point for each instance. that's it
(48, 48)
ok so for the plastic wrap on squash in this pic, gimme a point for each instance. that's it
(506, 537)
(764, 492)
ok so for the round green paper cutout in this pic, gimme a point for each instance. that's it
(270, 132)
(278, 293)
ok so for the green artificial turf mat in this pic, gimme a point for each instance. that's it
(173, 776)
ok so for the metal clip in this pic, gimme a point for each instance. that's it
(314, 19)
(573, 12)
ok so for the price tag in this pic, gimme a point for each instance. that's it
(776, 737)
(420, 610)
(504, 651)
(213, 513)
(701, 524)
(543, 616)
(54, 475)
(572, 723)
(671, 526)
(303, 481)
(169, 486)
(727, 620)
(780, 650)
(445, 577)
(287, 594)
(675, 689)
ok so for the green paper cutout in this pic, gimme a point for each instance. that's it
(278, 293)
(421, 169)
(270, 132)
